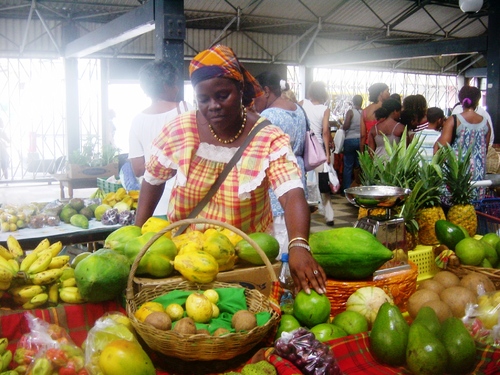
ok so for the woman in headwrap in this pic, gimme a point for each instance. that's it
(196, 146)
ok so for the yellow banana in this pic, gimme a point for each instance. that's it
(54, 294)
(28, 291)
(68, 282)
(4, 343)
(59, 261)
(42, 245)
(4, 264)
(40, 264)
(46, 277)
(28, 261)
(6, 359)
(14, 264)
(71, 294)
(36, 301)
(53, 249)
(6, 276)
(5, 285)
(14, 246)
(20, 300)
(4, 253)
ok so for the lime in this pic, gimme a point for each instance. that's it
(287, 324)
(327, 331)
(491, 238)
(470, 251)
(175, 311)
(351, 321)
(311, 309)
(490, 253)
(77, 259)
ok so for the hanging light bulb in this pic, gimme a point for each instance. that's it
(470, 6)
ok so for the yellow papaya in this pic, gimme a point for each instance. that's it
(193, 236)
(190, 246)
(233, 237)
(197, 266)
(220, 247)
(155, 224)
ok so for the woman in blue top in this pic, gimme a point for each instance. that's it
(291, 119)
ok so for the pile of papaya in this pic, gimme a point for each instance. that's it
(197, 255)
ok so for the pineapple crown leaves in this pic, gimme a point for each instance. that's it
(457, 174)
(412, 203)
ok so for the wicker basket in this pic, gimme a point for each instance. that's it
(400, 285)
(201, 347)
(492, 273)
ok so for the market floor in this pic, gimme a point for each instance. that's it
(22, 193)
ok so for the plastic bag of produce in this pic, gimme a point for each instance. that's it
(47, 349)
(483, 319)
(309, 355)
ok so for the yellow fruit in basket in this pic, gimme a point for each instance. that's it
(146, 309)
(219, 246)
(233, 237)
(212, 295)
(199, 308)
(175, 311)
(215, 311)
(155, 224)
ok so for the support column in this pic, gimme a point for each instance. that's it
(170, 32)
(493, 72)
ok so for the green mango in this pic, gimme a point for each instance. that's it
(156, 260)
(269, 245)
(80, 221)
(428, 317)
(425, 353)
(389, 335)
(460, 346)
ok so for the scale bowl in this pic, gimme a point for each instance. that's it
(376, 196)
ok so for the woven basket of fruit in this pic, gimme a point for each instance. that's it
(492, 273)
(201, 346)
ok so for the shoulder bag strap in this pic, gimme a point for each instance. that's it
(454, 134)
(220, 179)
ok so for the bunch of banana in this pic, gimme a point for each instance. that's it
(71, 294)
(5, 355)
(8, 270)
(29, 296)
(14, 247)
(99, 193)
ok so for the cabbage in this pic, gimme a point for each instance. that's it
(367, 301)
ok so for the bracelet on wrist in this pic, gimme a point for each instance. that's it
(298, 239)
(299, 244)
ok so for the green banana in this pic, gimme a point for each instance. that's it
(4, 343)
(6, 359)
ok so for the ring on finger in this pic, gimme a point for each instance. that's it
(315, 272)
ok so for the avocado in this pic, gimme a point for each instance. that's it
(425, 353)
(428, 317)
(76, 203)
(389, 335)
(87, 212)
(459, 345)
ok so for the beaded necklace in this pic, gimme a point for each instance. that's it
(236, 136)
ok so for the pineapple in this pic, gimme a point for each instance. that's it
(458, 180)
(429, 208)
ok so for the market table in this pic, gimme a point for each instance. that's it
(66, 233)
(74, 183)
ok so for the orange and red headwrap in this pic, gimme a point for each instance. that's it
(221, 62)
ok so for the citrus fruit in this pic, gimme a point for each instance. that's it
(351, 321)
(490, 253)
(215, 311)
(327, 331)
(311, 309)
(198, 307)
(470, 251)
(287, 324)
(212, 295)
(175, 311)
(491, 238)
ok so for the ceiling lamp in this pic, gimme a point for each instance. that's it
(470, 6)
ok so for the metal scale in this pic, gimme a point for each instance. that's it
(389, 229)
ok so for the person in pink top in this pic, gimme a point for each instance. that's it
(377, 93)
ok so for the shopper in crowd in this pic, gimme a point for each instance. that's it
(377, 93)
(4, 153)
(291, 119)
(435, 119)
(319, 121)
(289, 94)
(396, 96)
(418, 104)
(196, 146)
(472, 132)
(388, 127)
(160, 81)
(482, 112)
(352, 128)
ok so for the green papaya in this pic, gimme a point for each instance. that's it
(460, 346)
(102, 275)
(348, 253)
(389, 335)
(117, 239)
(269, 245)
(448, 234)
(156, 260)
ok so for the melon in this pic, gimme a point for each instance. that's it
(102, 276)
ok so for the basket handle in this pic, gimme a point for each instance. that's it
(137, 260)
